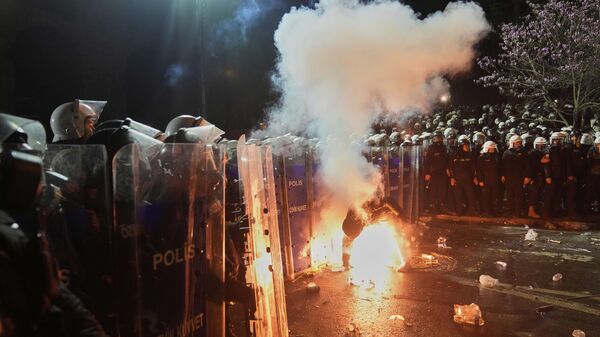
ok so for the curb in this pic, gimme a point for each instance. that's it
(569, 225)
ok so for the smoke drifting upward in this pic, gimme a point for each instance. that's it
(246, 16)
(342, 64)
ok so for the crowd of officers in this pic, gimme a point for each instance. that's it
(474, 175)
(40, 215)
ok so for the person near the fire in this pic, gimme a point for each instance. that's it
(375, 209)
(462, 176)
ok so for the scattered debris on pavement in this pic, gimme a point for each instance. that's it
(400, 318)
(501, 265)
(557, 277)
(488, 281)
(441, 243)
(468, 314)
(544, 308)
(312, 288)
(430, 262)
(531, 235)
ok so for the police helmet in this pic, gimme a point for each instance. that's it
(184, 121)
(68, 119)
(437, 137)
(557, 138)
(463, 139)
(489, 145)
(514, 140)
(586, 139)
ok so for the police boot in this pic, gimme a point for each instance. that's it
(532, 213)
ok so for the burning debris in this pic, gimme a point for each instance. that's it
(430, 262)
(374, 254)
(468, 314)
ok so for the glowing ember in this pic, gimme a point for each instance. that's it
(373, 253)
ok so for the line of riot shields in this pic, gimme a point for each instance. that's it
(157, 238)
(300, 194)
(140, 236)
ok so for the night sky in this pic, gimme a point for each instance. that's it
(145, 56)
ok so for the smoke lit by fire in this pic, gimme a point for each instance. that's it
(343, 64)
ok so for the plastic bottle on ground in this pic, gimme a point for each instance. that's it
(488, 281)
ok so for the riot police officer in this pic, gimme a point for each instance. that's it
(556, 175)
(435, 165)
(478, 141)
(593, 175)
(514, 174)
(32, 301)
(538, 157)
(488, 177)
(184, 121)
(462, 176)
(450, 135)
(576, 172)
(73, 122)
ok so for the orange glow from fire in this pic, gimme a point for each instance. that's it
(326, 249)
(374, 255)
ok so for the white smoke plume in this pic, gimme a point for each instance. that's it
(342, 64)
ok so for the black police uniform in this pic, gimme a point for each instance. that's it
(557, 171)
(462, 169)
(576, 168)
(435, 165)
(30, 299)
(488, 172)
(593, 177)
(451, 203)
(514, 169)
(536, 173)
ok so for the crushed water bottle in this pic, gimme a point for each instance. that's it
(488, 281)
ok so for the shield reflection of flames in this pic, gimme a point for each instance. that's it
(374, 254)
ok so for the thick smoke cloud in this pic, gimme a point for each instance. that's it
(343, 64)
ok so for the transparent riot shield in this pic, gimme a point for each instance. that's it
(265, 271)
(296, 216)
(407, 181)
(76, 215)
(379, 157)
(169, 243)
(418, 181)
(394, 173)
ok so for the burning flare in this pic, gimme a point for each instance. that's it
(374, 254)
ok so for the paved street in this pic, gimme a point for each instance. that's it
(425, 298)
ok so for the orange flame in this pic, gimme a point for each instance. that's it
(374, 253)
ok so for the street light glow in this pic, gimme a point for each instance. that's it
(445, 98)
